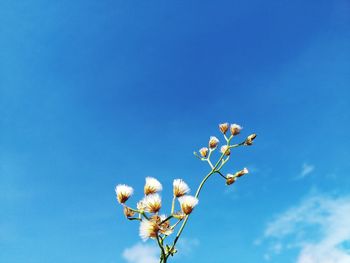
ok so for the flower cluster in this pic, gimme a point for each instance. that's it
(157, 226)
(152, 223)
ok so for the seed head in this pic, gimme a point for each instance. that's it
(180, 188)
(187, 203)
(123, 192)
(152, 202)
(204, 152)
(148, 229)
(235, 129)
(213, 142)
(223, 127)
(225, 150)
(152, 186)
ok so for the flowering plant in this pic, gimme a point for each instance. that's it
(158, 226)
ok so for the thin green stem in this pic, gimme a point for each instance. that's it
(213, 170)
(223, 176)
(173, 205)
(163, 257)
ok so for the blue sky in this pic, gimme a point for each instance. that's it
(95, 93)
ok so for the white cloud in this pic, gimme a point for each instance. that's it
(141, 253)
(186, 245)
(319, 227)
(306, 169)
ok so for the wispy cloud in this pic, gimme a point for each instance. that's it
(319, 227)
(187, 245)
(141, 253)
(306, 169)
(149, 253)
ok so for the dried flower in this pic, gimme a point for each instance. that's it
(225, 150)
(152, 202)
(250, 139)
(148, 229)
(223, 127)
(242, 172)
(213, 142)
(203, 151)
(128, 212)
(235, 129)
(180, 188)
(123, 192)
(164, 228)
(230, 179)
(152, 186)
(187, 203)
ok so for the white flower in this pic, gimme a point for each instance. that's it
(152, 203)
(187, 203)
(148, 229)
(235, 129)
(213, 142)
(123, 192)
(180, 188)
(152, 186)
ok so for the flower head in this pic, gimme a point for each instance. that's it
(152, 186)
(225, 150)
(235, 129)
(180, 188)
(187, 203)
(123, 192)
(223, 127)
(152, 203)
(204, 152)
(148, 229)
(213, 142)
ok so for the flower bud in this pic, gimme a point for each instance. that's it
(213, 142)
(204, 152)
(223, 127)
(235, 129)
(250, 139)
(230, 179)
(225, 150)
(128, 212)
(241, 172)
